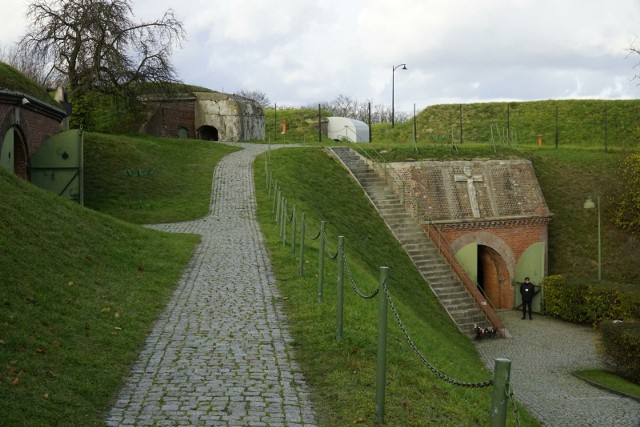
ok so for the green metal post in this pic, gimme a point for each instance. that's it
(323, 245)
(501, 376)
(275, 196)
(293, 232)
(381, 374)
(302, 231)
(340, 289)
(277, 201)
(284, 217)
(269, 184)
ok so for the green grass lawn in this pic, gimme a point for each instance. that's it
(79, 293)
(174, 183)
(611, 381)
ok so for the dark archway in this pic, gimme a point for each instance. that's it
(493, 277)
(14, 154)
(208, 133)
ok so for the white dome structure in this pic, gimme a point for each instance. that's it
(345, 129)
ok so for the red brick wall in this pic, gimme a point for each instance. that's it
(170, 116)
(518, 236)
(509, 239)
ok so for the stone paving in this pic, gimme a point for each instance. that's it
(543, 353)
(219, 355)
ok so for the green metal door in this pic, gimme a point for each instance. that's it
(58, 165)
(7, 151)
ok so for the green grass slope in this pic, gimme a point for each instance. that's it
(148, 180)
(579, 122)
(13, 80)
(79, 291)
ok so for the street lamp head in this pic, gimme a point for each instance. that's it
(404, 66)
(588, 204)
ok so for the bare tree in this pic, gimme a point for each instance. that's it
(255, 95)
(95, 45)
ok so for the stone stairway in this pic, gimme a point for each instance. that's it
(435, 269)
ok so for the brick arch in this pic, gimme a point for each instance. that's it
(12, 119)
(22, 159)
(13, 122)
(486, 238)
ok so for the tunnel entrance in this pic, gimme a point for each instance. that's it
(208, 133)
(493, 277)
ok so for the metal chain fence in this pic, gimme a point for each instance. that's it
(413, 346)
(353, 283)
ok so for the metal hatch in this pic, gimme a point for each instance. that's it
(57, 166)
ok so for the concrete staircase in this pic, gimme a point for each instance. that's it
(435, 269)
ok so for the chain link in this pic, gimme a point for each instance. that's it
(326, 245)
(309, 235)
(424, 360)
(353, 284)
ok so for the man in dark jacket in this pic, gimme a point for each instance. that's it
(526, 290)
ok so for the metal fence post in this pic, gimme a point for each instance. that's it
(293, 232)
(501, 376)
(323, 245)
(277, 201)
(283, 221)
(340, 289)
(302, 231)
(381, 374)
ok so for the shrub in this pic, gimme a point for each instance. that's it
(619, 344)
(590, 303)
(627, 214)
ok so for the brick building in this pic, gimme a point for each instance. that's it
(211, 116)
(493, 216)
(25, 124)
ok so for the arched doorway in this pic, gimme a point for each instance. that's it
(493, 277)
(14, 155)
(208, 133)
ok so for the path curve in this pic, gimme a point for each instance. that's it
(219, 355)
(543, 353)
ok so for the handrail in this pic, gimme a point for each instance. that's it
(443, 245)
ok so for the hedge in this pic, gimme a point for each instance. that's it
(620, 346)
(590, 303)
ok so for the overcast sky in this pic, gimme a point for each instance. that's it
(302, 52)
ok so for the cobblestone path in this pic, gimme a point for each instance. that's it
(219, 354)
(543, 353)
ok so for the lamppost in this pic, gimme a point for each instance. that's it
(588, 204)
(393, 84)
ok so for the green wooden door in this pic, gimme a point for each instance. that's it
(58, 165)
